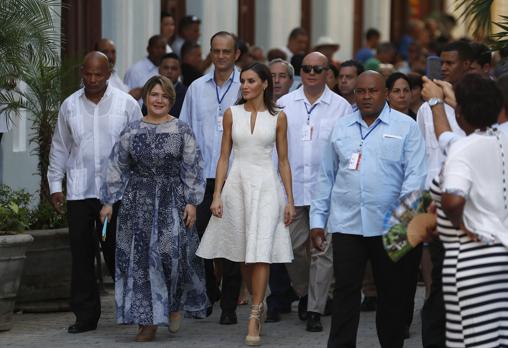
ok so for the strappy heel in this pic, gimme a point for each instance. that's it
(256, 312)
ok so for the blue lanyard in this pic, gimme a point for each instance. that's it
(378, 121)
(309, 111)
(220, 99)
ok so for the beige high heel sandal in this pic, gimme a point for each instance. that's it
(256, 312)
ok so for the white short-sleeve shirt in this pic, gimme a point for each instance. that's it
(474, 167)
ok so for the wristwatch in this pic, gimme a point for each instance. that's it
(435, 101)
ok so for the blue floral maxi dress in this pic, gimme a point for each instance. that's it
(156, 170)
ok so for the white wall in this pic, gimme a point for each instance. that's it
(275, 20)
(334, 19)
(376, 14)
(130, 23)
(215, 15)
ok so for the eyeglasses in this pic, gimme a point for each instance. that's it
(318, 69)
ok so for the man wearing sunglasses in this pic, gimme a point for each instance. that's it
(312, 110)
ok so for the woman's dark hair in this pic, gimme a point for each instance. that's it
(265, 75)
(390, 81)
(479, 100)
(415, 80)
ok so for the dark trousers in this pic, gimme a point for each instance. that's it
(84, 229)
(231, 275)
(410, 264)
(350, 254)
(433, 311)
(281, 293)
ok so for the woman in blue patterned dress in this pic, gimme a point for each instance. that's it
(156, 169)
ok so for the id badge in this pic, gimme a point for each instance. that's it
(220, 126)
(354, 161)
(307, 132)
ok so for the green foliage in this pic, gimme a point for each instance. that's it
(17, 216)
(476, 14)
(14, 210)
(44, 217)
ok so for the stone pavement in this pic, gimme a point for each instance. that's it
(49, 330)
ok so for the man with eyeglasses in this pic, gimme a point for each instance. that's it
(373, 157)
(312, 111)
(203, 109)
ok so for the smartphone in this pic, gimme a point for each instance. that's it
(433, 69)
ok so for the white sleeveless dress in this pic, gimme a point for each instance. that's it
(252, 225)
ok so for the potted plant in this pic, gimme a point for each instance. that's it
(31, 80)
(14, 218)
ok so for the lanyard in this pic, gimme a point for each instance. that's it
(220, 99)
(309, 111)
(378, 121)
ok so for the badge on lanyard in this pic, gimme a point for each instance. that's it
(307, 132)
(354, 161)
(219, 119)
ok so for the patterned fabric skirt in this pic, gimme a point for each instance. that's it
(157, 271)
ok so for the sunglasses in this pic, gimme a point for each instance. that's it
(318, 69)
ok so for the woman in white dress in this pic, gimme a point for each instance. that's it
(250, 212)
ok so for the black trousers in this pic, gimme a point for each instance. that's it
(84, 229)
(231, 275)
(410, 264)
(433, 311)
(281, 293)
(350, 254)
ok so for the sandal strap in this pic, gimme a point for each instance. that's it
(256, 311)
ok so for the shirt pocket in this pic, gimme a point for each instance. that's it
(325, 129)
(391, 148)
(77, 180)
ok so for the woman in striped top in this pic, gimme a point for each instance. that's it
(473, 221)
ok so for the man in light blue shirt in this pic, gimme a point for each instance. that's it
(203, 108)
(374, 156)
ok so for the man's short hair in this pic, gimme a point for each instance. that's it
(275, 53)
(502, 84)
(152, 41)
(372, 33)
(481, 53)
(187, 21)
(187, 47)
(353, 63)
(463, 48)
(165, 14)
(225, 34)
(291, 70)
(297, 32)
(171, 55)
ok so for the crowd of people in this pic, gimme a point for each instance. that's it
(275, 173)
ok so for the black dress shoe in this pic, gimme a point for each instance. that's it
(314, 322)
(302, 308)
(78, 328)
(228, 318)
(369, 304)
(272, 316)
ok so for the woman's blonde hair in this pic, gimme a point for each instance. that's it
(166, 85)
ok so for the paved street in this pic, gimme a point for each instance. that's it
(49, 330)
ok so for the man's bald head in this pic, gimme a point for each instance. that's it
(370, 93)
(96, 58)
(313, 71)
(314, 57)
(95, 73)
(107, 47)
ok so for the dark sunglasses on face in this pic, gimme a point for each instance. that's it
(318, 69)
